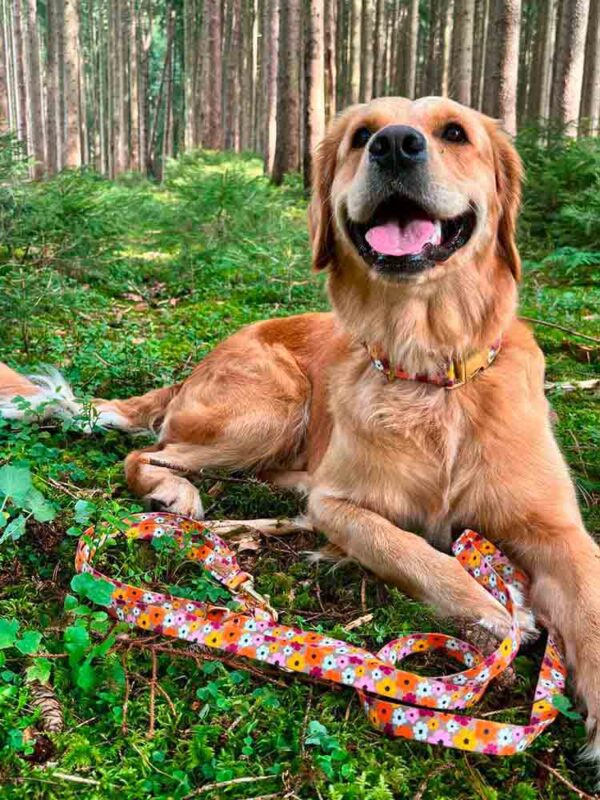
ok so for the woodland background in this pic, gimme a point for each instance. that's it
(123, 85)
(152, 202)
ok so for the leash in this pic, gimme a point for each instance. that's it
(397, 702)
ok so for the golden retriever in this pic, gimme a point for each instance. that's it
(413, 214)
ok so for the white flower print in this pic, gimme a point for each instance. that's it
(348, 676)
(182, 630)
(420, 731)
(505, 737)
(262, 652)
(423, 689)
(443, 702)
(452, 726)
(398, 717)
(469, 659)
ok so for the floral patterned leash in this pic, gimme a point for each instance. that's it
(397, 702)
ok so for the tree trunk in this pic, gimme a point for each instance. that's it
(212, 122)
(4, 86)
(314, 65)
(232, 86)
(541, 69)
(287, 155)
(411, 44)
(330, 59)
(434, 40)
(355, 54)
(461, 68)
(52, 84)
(379, 48)
(502, 61)
(567, 81)
(189, 55)
(22, 106)
(270, 43)
(590, 99)
(72, 152)
(448, 26)
(135, 163)
(366, 58)
(479, 40)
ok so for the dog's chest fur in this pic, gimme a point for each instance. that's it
(404, 450)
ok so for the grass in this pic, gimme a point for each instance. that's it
(125, 286)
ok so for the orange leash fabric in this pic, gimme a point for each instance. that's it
(398, 703)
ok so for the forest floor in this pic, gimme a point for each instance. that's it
(125, 287)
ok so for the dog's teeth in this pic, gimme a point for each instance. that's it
(436, 236)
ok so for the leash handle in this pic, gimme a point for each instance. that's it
(398, 702)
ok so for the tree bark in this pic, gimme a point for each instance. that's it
(479, 40)
(314, 63)
(366, 58)
(287, 155)
(22, 104)
(567, 81)
(355, 41)
(448, 26)
(4, 86)
(502, 61)
(461, 69)
(270, 44)
(72, 152)
(189, 55)
(541, 69)
(590, 98)
(379, 48)
(232, 86)
(330, 59)
(135, 163)
(52, 88)
(411, 44)
(212, 122)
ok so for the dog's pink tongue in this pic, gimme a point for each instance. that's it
(393, 240)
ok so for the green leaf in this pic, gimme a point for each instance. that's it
(42, 509)
(14, 530)
(8, 632)
(86, 676)
(15, 482)
(95, 589)
(564, 705)
(39, 670)
(29, 643)
(83, 511)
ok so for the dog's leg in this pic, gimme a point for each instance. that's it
(564, 564)
(406, 560)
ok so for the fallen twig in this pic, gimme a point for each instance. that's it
(579, 792)
(547, 324)
(425, 782)
(127, 692)
(152, 692)
(591, 385)
(209, 787)
(75, 778)
(356, 623)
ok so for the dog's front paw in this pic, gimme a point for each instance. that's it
(176, 496)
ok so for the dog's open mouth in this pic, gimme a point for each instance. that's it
(403, 238)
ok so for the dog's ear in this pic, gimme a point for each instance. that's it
(509, 176)
(320, 211)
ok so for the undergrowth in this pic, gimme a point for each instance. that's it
(125, 286)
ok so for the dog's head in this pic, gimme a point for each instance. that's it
(412, 190)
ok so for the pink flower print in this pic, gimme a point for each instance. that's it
(412, 715)
(441, 737)
(343, 661)
(490, 749)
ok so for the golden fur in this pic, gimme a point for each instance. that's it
(394, 469)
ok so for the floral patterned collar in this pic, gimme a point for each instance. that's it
(456, 372)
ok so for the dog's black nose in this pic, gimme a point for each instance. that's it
(398, 145)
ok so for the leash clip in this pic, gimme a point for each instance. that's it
(247, 588)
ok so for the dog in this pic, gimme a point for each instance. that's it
(413, 410)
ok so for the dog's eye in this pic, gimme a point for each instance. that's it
(361, 137)
(453, 132)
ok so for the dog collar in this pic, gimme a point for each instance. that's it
(455, 373)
